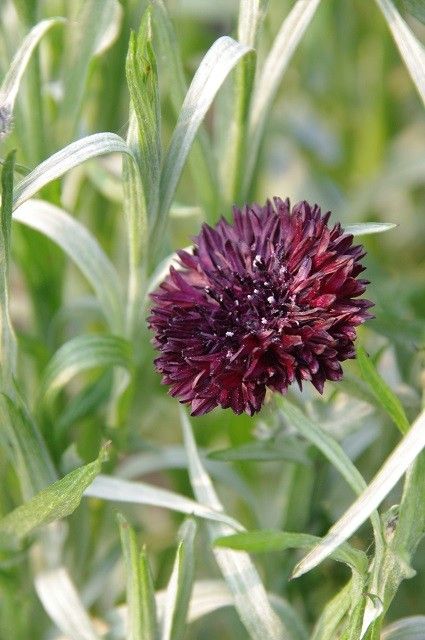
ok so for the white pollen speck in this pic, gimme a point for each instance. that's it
(257, 260)
(249, 297)
(271, 299)
(237, 303)
(229, 334)
(263, 321)
(266, 283)
(256, 291)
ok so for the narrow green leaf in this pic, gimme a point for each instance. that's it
(142, 80)
(180, 586)
(67, 158)
(93, 27)
(117, 490)
(251, 600)
(142, 622)
(57, 501)
(270, 76)
(265, 541)
(387, 477)
(368, 228)
(62, 603)
(383, 393)
(411, 50)
(251, 14)
(263, 451)
(10, 85)
(411, 628)
(83, 249)
(416, 8)
(212, 72)
(329, 622)
(82, 353)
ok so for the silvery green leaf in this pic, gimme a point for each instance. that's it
(179, 587)
(67, 158)
(411, 50)
(212, 72)
(10, 85)
(117, 490)
(62, 603)
(411, 628)
(82, 353)
(388, 476)
(270, 75)
(251, 13)
(251, 600)
(368, 228)
(83, 249)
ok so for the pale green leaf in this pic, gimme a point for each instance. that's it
(81, 354)
(10, 85)
(62, 603)
(67, 158)
(251, 600)
(266, 541)
(56, 501)
(78, 243)
(270, 75)
(251, 14)
(117, 490)
(142, 623)
(179, 587)
(262, 451)
(411, 50)
(368, 228)
(213, 70)
(411, 628)
(383, 393)
(416, 8)
(387, 477)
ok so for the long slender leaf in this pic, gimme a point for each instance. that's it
(383, 393)
(290, 450)
(10, 85)
(388, 476)
(411, 50)
(213, 70)
(251, 600)
(61, 601)
(57, 501)
(142, 623)
(82, 353)
(411, 628)
(83, 249)
(368, 228)
(270, 76)
(67, 158)
(109, 488)
(179, 587)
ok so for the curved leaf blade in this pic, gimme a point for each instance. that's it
(368, 228)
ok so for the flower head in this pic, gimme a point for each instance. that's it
(267, 300)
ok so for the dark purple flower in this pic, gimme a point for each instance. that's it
(265, 301)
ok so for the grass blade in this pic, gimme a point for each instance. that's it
(411, 628)
(212, 72)
(67, 158)
(251, 600)
(383, 393)
(270, 76)
(263, 451)
(80, 354)
(10, 85)
(388, 476)
(56, 501)
(142, 623)
(78, 243)
(265, 541)
(117, 490)
(411, 50)
(368, 228)
(179, 586)
(61, 601)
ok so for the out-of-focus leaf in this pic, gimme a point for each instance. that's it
(386, 397)
(61, 601)
(83, 249)
(388, 476)
(179, 587)
(411, 628)
(262, 451)
(82, 353)
(265, 541)
(142, 622)
(368, 228)
(57, 501)
(416, 8)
